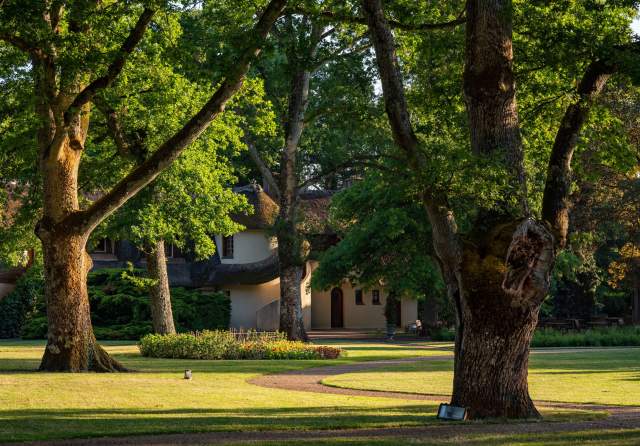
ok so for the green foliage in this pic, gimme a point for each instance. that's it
(18, 305)
(384, 239)
(230, 345)
(596, 337)
(120, 307)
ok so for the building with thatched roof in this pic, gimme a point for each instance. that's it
(245, 266)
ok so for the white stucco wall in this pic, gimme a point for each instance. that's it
(246, 300)
(248, 246)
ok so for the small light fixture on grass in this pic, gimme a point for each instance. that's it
(448, 412)
(187, 374)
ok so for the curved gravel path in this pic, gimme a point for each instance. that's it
(310, 380)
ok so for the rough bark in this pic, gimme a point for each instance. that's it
(71, 345)
(490, 88)
(62, 106)
(555, 203)
(500, 304)
(159, 292)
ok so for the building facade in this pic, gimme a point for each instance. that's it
(245, 267)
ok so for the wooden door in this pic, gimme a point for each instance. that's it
(337, 308)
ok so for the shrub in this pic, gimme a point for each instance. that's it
(17, 307)
(120, 307)
(596, 337)
(219, 344)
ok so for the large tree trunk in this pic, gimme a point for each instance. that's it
(500, 308)
(161, 313)
(71, 344)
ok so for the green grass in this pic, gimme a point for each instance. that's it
(155, 399)
(629, 437)
(606, 376)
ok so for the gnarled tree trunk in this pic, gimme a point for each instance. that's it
(159, 292)
(500, 304)
(498, 274)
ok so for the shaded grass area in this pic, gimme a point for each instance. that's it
(605, 376)
(630, 437)
(155, 399)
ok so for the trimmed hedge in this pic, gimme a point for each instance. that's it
(119, 307)
(595, 337)
(221, 344)
(550, 337)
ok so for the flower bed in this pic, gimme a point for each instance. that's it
(220, 344)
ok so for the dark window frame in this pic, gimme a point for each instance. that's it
(228, 247)
(359, 295)
(375, 297)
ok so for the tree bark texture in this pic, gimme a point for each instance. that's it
(490, 88)
(159, 292)
(555, 204)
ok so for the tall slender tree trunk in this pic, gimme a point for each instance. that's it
(635, 308)
(160, 293)
(290, 251)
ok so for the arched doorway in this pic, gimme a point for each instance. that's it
(337, 308)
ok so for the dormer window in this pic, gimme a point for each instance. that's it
(227, 247)
(171, 251)
(103, 246)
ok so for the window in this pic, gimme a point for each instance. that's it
(171, 251)
(375, 297)
(227, 293)
(104, 246)
(227, 247)
(359, 299)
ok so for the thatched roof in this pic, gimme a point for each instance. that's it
(244, 273)
(265, 210)
(314, 207)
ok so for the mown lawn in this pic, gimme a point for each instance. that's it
(629, 437)
(605, 376)
(155, 399)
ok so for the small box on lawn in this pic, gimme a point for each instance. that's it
(448, 412)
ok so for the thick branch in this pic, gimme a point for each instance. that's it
(128, 148)
(337, 17)
(22, 45)
(555, 202)
(130, 43)
(86, 220)
(264, 170)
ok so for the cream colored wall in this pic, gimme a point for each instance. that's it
(357, 316)
(246, 300)
(248, 246)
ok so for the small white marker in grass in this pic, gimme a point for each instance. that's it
(187, 374)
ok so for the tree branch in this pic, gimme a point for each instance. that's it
(337, 17)
(264, 170)
(555, 202)
(22, 45)
(85, 221)
(114, 69)
(127, 148)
